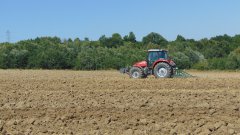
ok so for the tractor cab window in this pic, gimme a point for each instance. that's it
(153, 56)
(163, 55)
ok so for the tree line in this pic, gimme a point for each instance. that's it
(220, 52)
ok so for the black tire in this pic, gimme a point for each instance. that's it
(136, 73)
(162, 70)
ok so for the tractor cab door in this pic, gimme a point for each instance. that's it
(152, 57)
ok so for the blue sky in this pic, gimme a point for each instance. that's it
(196, 19)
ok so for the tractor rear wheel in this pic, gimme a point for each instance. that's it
(136, 73)
(162, 70)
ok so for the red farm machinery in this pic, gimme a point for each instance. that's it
(158, 64)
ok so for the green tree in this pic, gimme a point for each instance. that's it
(201, 65)
(233, 61)
(180, 38)
(116, 40)
(112, 42)
(86, 39)
(77, 42)
(4, 58)
(194, 56)
(155, 38)
(104, 41)
(130, 38)
(182, 61)
(220, 52)
(217, 63)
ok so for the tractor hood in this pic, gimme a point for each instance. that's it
(140, 64)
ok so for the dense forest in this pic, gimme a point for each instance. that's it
(220, 52)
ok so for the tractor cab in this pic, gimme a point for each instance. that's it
(154, 55)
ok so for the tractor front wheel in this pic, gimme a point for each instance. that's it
(162, 70)
(136, 73)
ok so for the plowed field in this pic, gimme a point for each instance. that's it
(107, 102)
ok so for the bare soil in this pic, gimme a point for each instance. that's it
(107, 102)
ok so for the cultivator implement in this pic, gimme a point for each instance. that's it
(181, 74)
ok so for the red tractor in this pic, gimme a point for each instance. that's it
(158, 64)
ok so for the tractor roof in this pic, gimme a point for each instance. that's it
(156, 50)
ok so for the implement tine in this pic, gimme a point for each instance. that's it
(182, 74)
